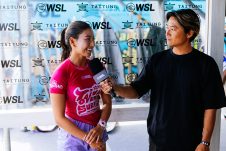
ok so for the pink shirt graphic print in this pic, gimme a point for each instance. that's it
(87, 100)
(81, 92)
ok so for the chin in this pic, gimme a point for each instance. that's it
(170, 44)
(88, 55)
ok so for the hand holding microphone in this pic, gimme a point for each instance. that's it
(107, 85)
(101, 77)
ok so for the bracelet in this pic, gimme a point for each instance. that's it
(205, 143)
(102, 123)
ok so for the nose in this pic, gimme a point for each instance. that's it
(167, 31)
(92, 43)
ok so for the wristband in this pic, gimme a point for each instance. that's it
(205, 143)
(102, 123)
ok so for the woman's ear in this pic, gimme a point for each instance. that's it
(72, 42)
(190, 34)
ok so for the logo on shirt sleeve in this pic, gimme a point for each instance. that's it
(54, 84)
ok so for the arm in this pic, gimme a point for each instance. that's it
(96, 133)
(125, 91)
(224, 77)
(58, 106)
(107, 106)
(209, 121)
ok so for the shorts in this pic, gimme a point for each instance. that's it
(67, 142)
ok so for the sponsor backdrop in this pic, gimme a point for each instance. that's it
(127, 33)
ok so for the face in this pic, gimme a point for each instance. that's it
(85, 43)
(175, 34)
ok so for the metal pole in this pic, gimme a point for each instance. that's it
(6, 139)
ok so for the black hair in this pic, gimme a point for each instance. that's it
(73, 30)
(188, 19)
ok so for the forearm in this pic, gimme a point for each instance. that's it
(125, 91)
(106, 112)
(96, 134)
(209, 121)
(58, 106)
(107, 107)
(70, 127)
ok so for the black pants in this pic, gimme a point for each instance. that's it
(152, 146)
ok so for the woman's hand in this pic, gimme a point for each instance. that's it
(94, 135)
(202, 147)
(99, 146)
(106, 85)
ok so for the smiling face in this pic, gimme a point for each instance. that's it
(84, 45)
(175, 34)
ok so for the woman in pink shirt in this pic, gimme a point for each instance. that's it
(75, 95)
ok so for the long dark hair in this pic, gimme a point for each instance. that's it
(73, 30)
(188, 19)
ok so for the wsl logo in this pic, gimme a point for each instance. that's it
(105, 60)
(140, 42)
(42, 44)
(10, 63)
(99, 25)
(130, 7)
(131, 77)
(50, 8)
(9, 27)
(131, 42)
(44, 80)
(10, 100)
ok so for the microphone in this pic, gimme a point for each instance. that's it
(100, 73)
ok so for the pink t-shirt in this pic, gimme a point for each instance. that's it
(81, 92)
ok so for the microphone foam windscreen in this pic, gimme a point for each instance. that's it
(95, 66)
